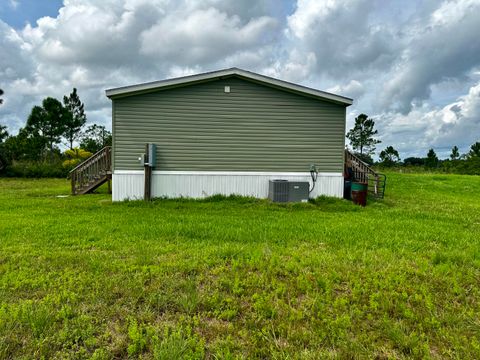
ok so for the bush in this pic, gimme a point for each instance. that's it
(414, 161)
(75, 157)
(470, 166)
(32, 169)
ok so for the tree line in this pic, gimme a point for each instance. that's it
(363, 142)
(36, 150)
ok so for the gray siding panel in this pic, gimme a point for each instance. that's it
(252, 128)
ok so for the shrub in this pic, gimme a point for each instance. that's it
(75, 157)
(32, 169)
(469, 166)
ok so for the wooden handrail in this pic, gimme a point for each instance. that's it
(360, 169)
(92, 171)
(364, 173)
(91, 158)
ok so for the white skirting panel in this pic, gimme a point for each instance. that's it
(128, 184)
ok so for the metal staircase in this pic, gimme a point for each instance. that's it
(363, 173)
(93, 172)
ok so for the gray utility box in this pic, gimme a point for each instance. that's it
(152, 155)
(278, 190)
(150, 158)
(288, 191)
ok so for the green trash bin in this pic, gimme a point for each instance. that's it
(359, 193)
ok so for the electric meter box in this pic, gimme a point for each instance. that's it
(152, 155)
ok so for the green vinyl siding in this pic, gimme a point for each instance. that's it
(253, 128)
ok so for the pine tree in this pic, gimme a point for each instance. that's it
(47, 122)
(77, 118)
(3, 136)
(455, 154)
(389, 156)
(432, 160)
(362, 135)
(3, 133)
(474, 150)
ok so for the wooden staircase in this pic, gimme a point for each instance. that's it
(363, 173)
(93, 172)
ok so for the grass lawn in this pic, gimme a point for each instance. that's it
(82, 277)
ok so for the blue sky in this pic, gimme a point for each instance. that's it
(413, 66)
(20, 12)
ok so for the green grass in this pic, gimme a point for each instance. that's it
(82, 277)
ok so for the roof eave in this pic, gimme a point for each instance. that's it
(188, 80)
(157, 85)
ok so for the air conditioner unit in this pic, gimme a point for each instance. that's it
(288, 191)
(278, 190)
(298, 191)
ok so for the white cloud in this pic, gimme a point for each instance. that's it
(354, 89)
(298, 67)
(203, 36)
(341, 34)
(446, 47)
(457, 123)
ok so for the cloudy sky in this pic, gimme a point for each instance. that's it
(414, 66)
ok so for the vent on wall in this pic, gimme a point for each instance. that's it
(227, 89)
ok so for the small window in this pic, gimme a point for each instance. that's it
(227, 89)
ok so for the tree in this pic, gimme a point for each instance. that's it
(95, 138)
(367, 159)
(1, 93)
(3, 133)
(23, 146)
(455, 154)
(474, 150)
(361, 136)
(3, 136)
(48, 122)
(414, 161)
(389, 156)
(432, 160)
(77, 118)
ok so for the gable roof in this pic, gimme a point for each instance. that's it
(213, 75)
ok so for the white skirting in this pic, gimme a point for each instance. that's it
(128, 184)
